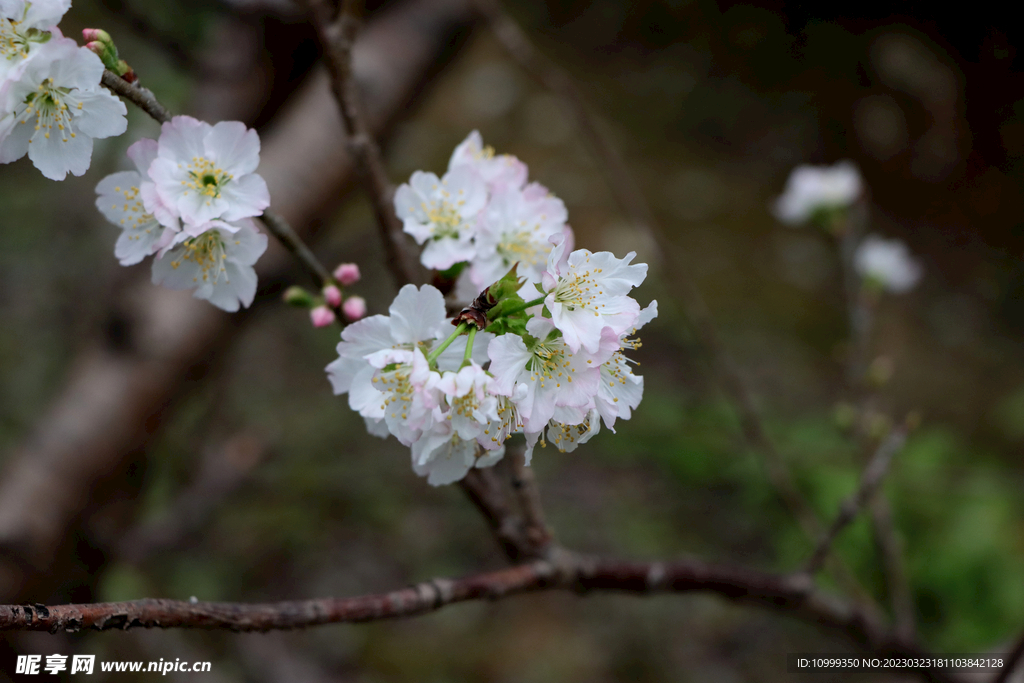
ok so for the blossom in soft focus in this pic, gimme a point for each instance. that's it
(208, 172)
(587, 293)
(517, 227)
(442, 214)
(347, 274)
(218, 264)
(887, 263)
(332, 295)
(354, 308)
(53, 107)
(817, 188)
(24, 28)
(122, 200)
(443, 457)
(499, 171)
(321, 316)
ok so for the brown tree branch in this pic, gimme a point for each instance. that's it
(337, 31)
(524, 485)
(143, 98)
(779, 593)
(484, 490)
(870, 480)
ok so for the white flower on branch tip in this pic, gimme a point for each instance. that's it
(621, 391)
(24, 28)
(517, 227)
(217, 263)
(55, 107)
(815, 188)
(443, 214)
(552, 374)
(128, 200)
(499, 171)
(887, 263)
(208, 172)
(588, 292)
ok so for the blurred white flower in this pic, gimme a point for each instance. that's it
(887, 263)
(815, 188)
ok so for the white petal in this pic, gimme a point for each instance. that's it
(235, 148)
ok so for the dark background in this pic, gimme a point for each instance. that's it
(711, 105)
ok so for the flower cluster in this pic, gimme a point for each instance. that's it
(483, 214)
(189, 202)
(51, 104)
(553, 368)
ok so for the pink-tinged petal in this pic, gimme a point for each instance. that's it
(164, 214)
(182, 139)
(247, 196)
(235, 148)
(142, 153)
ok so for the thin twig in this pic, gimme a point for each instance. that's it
(897, 583)
(524, 485)
(141, 97)
(870, 480)
(279, 228)
(337, 34)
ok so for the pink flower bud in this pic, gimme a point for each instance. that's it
(96, 46)
(332, 295)
(354, 308)
(91, 34)
(347, 274)
(322, 316)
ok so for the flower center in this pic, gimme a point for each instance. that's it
(509, 421)
(133, 205)
(523, 248)
(49, 105)
(578, 289)
(396, 387)
(206, 177)
(206, 251)
(549, 364)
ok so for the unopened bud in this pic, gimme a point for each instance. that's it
(347, 274)
(298, 297)
(100, 42)
(332, 295)
(321, 316)
(354, 308)
(95, 34)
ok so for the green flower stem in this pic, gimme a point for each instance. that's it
(469, 346)
(521, 307)
(446, 343)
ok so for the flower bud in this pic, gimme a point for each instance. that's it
(332, 295)
(94, 34)
(298, 297)
(321, 316)
(347, 274)
(354, 308)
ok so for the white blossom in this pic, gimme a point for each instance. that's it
(24, 28)
(566, 431)
(471, 404)
(442, 213)
(888, 263)
(499, 171)
(217, 263)
(552, 374)
(444, 457)
(588, 292)
(815, 188)
(517, 227)
(123, 199)
(621, 390)
(208, 173)
(55, 107)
